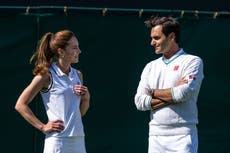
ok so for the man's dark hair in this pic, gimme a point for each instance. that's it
(169, 25)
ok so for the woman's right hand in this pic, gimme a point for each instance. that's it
(53, 126)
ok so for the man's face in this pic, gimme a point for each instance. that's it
(159, 41)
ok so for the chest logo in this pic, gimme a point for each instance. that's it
(176, 67)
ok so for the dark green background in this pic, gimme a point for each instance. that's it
(115, 49)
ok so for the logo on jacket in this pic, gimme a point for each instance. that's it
(191, 77)
(176, 68)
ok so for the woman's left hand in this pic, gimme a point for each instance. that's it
(82, 91)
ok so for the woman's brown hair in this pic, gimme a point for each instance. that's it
(47, 50)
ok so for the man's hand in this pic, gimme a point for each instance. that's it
(163, 97)
(182, 81)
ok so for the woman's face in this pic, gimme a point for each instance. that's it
(72, 51)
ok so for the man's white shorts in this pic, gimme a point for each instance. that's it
(173, 143)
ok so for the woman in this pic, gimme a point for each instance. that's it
(64, 96)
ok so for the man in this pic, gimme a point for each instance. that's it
(169, 88)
